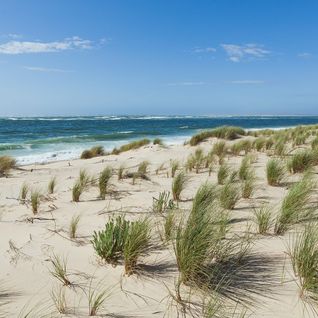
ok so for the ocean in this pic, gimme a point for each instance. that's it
(45, 139)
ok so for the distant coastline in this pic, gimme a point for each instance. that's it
(46, 139)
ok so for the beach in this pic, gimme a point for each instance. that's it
(30, 241)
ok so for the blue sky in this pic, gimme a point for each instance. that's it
(204, 57)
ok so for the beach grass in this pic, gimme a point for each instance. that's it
(59, 270)
(296, 206)
(6, 164)
(35, 201)
(275, 172)
(263, 218)
(179, 183)
(131, 146)
(95, 151)
(223, 132)
(103, 181)
(52, 185)
(229, 195)
(74, 226)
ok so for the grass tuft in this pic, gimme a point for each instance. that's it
(93, 152)
(35, 201)
(74, 226)
(296, 206)
(6, 164)
(103, 182)
(275, 172)
(131, 146)
(59, 270)
(229, 195)
(179, 182)
(263, 218)
(51, 185)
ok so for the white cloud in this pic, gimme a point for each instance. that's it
(237, 53)
(247, 82)
(186, 84)
(305, 55)
(204, 50)
(24, 47)
(45, 69)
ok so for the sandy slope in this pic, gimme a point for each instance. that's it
(25, 266)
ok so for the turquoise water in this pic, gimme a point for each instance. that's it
(43, 139)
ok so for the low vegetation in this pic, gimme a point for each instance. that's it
(103, 182)
(179, 182)
(6, 164)
(296, 206)
(263, 218)
(131, 146)
(93, 152)
(224, 132)
(275, 172)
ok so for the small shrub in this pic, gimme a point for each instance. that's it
(263, 219)
(109, 243)
(52, 185)
(103, 182)
(275, 172)
(6, 164)
(179, 182)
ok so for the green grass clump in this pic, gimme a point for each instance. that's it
(223, 132)
(93, 152)
(220, 149)
(280, 148)
(136, 245)
(296, 206)
(6, 164)
(229, 195)
(81, 184)
(59, 270)
(73, 226)
(169, 226)
(179, 182)
(259, 143)
(158, 141)
(52, 185)
(109, 243)
(130, 146)
(244, 168)
(35, 201)
(174, 167)
(162, 203)
(304, 257)
(248, 186)
(143, 167)
(198, 240)
(263, 219)
(314, 143)
(120, 173)
(275, 172)
(223, 173)
(301, 161)
(24, 192)
(103, 181)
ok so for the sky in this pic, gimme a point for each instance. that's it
(163, 57)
